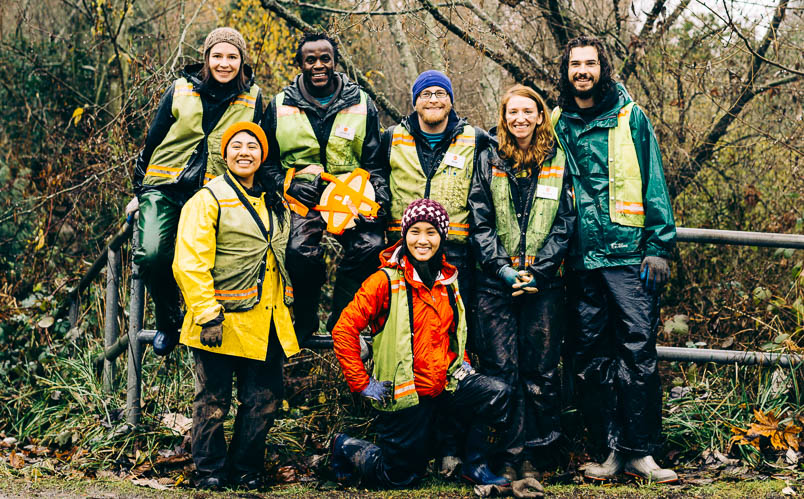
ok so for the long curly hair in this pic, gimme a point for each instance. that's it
(541, 143)
(606, 82)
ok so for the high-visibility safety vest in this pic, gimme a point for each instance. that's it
(299, 146)
(543, 203)
(241, 246)
(393, 346)
(178, 148)
(626, 204)
(449, 184)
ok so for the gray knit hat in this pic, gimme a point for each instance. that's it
(228, 35)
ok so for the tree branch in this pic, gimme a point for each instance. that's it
(558, 24)
(406, 59)
(333, 10)
(519, 74)
(637, 47)
(296, 22)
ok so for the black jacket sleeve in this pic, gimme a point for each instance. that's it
(370, 160)
(156, 134)
(271, 174)
(258, 108)
(555, 246)
(487, 247)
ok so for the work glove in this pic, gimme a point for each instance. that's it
(525, 287)
(212, 332)
(364, 223)
(509, 275)
(465, 370)
(307, 193)
(527, 488)
(654, 272)
(132, 208)
(378, 390)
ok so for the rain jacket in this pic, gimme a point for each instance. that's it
(430, 159)
(433, 322)
(486, 243)
(321, 120)
(598, 241)
(215, 100)
(245, 334)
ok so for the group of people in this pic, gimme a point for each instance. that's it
(489, 251)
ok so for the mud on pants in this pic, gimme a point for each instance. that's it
(519, 341)
(613, 352)
(259, 392)
(305, 261)
(409, 438)
(158, 223)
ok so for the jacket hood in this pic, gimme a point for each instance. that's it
(350, 91)
(193, 73)
(391, 257)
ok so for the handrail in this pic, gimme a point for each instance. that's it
(136, 336)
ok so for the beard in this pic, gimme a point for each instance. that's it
(585, 94)
(433, 117)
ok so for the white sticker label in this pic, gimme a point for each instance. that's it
(546, 192)
(455, 160)
(345, 132)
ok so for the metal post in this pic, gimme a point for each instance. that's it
(135, 318)
(111, 328)
(728, 356)
(713, 236)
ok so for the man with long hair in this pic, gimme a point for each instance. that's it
(324, 122)
(618, 261)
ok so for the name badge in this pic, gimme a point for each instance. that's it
(546, 192)
(454, 160)
(345, 132)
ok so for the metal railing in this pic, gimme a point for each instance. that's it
(136, 337)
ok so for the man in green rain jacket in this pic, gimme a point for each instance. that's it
(618, 262)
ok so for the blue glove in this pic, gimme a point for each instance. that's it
(465, 370)
(378, 390)
(508, 275)
(654, 272)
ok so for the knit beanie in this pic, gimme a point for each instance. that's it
(432, 78)
(426, 210)
(249, 127)
(228, 35)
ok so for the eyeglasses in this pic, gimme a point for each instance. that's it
(439, 94)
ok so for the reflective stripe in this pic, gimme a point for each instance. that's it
(162, 171)
(403, 140)
(551, 172)
(289, 291)
(497, 172)
(396, 285)
(356, 109)
(235, 294)
(208, 177)
(287, 111)
(404, 389)
(529, 259)
(630, 208)
(468, 140)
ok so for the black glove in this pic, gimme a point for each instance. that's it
(307, 193)
(655, 271)
(212, 332)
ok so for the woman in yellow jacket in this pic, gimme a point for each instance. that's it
(230, 267)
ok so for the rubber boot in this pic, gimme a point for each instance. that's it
(610, 468)
(350, 455)
(165, 340)
(479, 442)
(528, 470)
(645, 467)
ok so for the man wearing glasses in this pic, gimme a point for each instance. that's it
(431, 154)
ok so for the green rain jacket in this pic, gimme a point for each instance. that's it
(599, 242)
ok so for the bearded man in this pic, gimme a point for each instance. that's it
(618, 262)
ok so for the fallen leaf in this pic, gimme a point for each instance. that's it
(149, 482)
(179, 423)
(788, 491)
(286, 474)
(16, 460)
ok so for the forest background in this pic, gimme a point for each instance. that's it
(721, 82)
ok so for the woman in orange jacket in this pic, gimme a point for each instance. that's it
(421, 375)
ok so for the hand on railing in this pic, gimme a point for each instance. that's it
(132, 209)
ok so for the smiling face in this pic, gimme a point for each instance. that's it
(522, 116)
(422, 240)
(584, 71)
(433, 111)
(224, 62)
(318, 67)
(243, 156)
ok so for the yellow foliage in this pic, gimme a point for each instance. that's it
(76, 117)
(768, 425)
(271, 44)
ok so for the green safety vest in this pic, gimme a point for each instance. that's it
(393, 346)
(299, 146)
(178, 147)
(544, 206)
(241, 245)
(449, 185)
(626, 205)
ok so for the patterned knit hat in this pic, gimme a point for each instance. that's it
(426, 210)
(228, 35)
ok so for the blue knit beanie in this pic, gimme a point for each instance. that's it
(432, 78)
